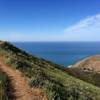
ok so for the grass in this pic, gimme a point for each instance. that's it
(91, 77)
(56, 83)
(85, 72)
(3, 87)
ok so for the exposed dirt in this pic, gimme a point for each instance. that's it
(91, 63)
(19, 85)
(1, 42)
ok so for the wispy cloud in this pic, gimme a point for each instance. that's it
(86, 29)
(85, 24)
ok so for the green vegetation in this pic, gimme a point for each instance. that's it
(87, 69)
(3, 87)
(88, 76)
(56, 83)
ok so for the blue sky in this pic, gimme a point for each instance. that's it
(50, 20)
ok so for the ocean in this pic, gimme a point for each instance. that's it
(63, 53)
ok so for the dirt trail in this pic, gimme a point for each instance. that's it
(19, 84)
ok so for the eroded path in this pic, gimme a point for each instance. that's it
(19, 84)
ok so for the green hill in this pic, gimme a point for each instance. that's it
(51, 78)
(87, 70)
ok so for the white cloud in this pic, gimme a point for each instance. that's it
(87, 29)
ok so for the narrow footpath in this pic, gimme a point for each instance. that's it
(19, 84)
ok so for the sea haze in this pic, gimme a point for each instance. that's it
(63, 53)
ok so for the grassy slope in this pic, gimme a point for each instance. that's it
(87, 70)
(3, 87)
(50, 77)
(93, 78)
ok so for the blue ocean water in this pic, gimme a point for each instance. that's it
(63, 53)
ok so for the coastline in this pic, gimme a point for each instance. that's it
(82, 61)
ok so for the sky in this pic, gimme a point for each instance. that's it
(50, 20)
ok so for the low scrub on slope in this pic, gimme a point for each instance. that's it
(87, 70)
(50, 77)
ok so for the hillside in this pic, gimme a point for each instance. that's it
(46, 76)
(87, 70)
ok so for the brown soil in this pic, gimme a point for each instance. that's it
(19, 85)
(91, 63)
